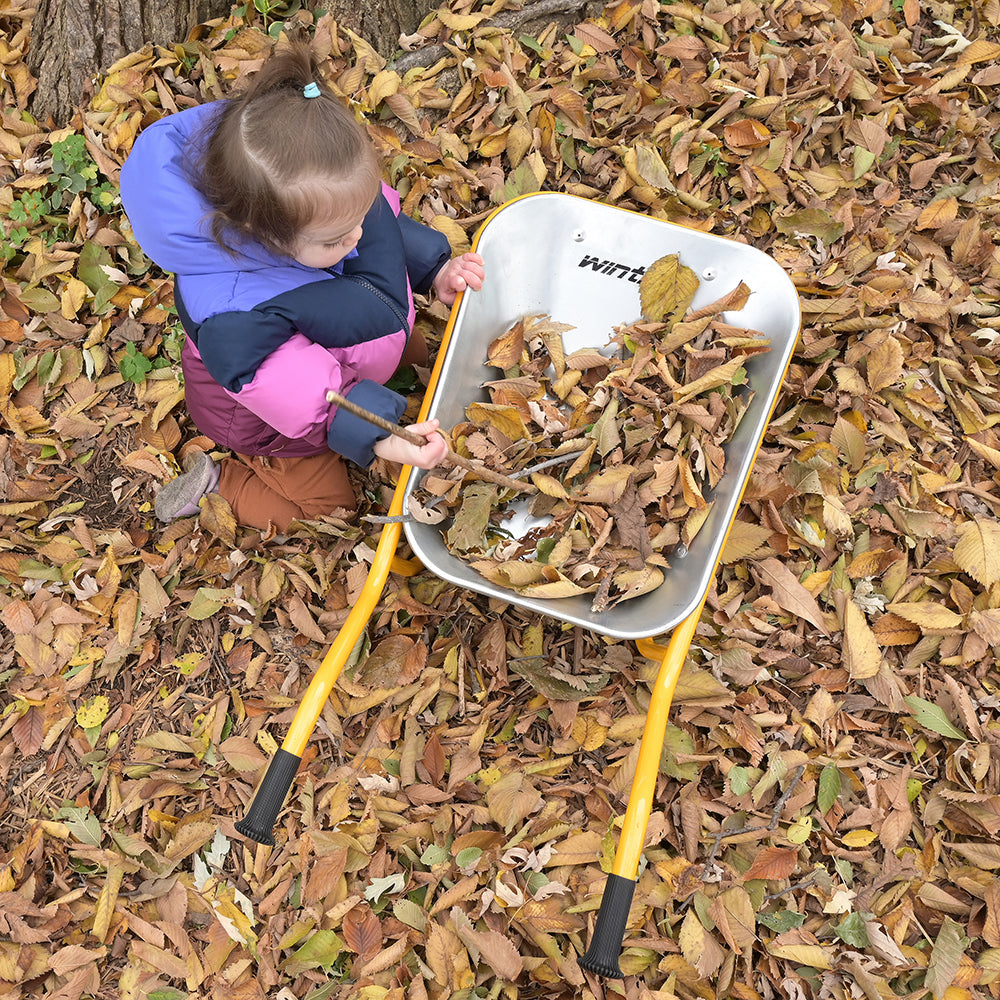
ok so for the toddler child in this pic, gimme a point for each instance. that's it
(294, 273)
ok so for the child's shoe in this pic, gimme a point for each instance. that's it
(179, 497)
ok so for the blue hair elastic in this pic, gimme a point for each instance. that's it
(311, 90)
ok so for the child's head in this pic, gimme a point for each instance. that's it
(294, 172)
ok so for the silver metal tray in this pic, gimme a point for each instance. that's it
(581, 262)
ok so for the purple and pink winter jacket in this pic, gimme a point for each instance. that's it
(268, 337)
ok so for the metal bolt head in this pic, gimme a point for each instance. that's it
(709, 274)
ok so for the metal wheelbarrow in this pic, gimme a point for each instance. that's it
(580, 262)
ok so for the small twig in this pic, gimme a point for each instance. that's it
(805, 883)
(721, 835)
(401, 432)
(520, 474)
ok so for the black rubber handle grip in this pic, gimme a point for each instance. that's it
(609, 931)
(258, 824)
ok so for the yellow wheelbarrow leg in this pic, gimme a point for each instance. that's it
(606, 943)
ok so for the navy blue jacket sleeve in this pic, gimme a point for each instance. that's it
(355, 438)
(427, 251)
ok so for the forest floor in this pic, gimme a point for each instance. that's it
(825, 821)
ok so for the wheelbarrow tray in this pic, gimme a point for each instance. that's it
(580, 262)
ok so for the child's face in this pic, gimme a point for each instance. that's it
(324, 244)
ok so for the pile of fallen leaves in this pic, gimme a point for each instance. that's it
(826, 816)
(621, 449)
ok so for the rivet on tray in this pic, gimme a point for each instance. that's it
(579, 235)
(709, 274)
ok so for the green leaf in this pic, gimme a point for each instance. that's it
(321, 950)
(83, 824)
(946, 955)
(932, 717)
(851, 930)
(844, 870)
(677, 741)
(521, 181)
(206, 602)
(783, 920)
(435, 855)
(810, 222)
(134, 366)
(408, 912)
(739, 780)
(829, 788)
(468, 857)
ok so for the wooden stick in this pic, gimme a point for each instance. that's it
(407, 435)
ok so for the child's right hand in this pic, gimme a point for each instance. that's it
(426, 456)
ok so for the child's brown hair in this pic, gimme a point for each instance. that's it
(276, 160)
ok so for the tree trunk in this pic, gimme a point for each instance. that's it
(73, 40)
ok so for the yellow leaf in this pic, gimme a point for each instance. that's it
(722, 375)
(105, 908)
(929, 616)
(861, 653)
(650, 167)
(937, 213)
(605, 487)
(460, 22)
(978, 550)
(589, 733)
(689, 487)
(72, 297)
(859, 838)
(812, 955)
(506, 419)
(493, 145)
(576, 849)
(457, 237)
(267, 742)
(799, 831)
(549, 485)
(93, 712)
(981, 50)
(885, 364)
(519, 142)
(743, 540)
(8, 372)
(386, 83)
(667, 289)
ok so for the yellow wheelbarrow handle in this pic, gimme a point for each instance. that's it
(609, 931)
(258, 823)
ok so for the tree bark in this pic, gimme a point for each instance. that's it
(380, 22)
(73, 40)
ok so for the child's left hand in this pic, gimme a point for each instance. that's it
(458, 274)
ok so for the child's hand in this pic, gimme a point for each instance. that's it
(458, 274)
(427, 456)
